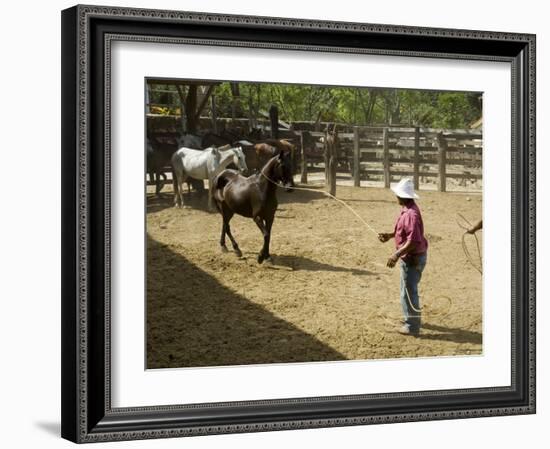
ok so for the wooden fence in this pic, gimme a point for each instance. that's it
(389, 153)
(372, 153)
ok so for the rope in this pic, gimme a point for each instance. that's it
(432, 314)
(443, 313)
(465, 249)
(369, 227)
(391, 320)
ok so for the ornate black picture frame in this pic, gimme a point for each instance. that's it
(87, 33)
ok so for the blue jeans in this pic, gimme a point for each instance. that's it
(411, 273)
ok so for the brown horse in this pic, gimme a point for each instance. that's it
(254, 197)
(259, 153)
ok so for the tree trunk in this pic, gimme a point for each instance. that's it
(332, 170)
(236, 104)
(274, 119)
(214, 114)
(305, 138)
(326, 157)
(191, 109)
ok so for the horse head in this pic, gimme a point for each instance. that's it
(239, 159)
(280, 170)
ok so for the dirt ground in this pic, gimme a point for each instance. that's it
(328, 295)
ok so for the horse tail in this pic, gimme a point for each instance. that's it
(177, 171)
(220, 180)
(218, 183)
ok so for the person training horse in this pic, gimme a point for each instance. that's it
(411, 247)
(254, 196)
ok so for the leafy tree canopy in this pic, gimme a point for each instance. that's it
(351, 105)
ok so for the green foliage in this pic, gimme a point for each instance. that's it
(351, 105)
(454, 110)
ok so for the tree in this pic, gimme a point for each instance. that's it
(357, 105)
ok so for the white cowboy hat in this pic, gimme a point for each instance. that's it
(404, 189)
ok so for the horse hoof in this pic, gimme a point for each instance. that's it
(238, 253)
(268, 262)
(224, 249)
(260, 258)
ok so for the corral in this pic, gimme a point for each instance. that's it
(328, 296)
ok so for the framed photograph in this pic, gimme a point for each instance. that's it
(276, 224)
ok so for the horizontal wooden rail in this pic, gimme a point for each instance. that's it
(451, 153)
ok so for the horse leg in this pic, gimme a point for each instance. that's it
(151, 177)
(183, 180)
(222, 238)
(174, 184)
(210, 191)
(158, 186)
(178, 201)
(162, 182)
(264, 253)
(267, 239)
(233, 241)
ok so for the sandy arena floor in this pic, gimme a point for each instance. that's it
(328, 296)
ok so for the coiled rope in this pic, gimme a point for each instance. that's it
(465, 246)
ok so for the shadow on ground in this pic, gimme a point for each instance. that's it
(451, 334)
(199, 200)
(304, 263)
(193, 320)
(165, 200)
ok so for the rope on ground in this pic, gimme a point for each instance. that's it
(428, 311)
(392, 320)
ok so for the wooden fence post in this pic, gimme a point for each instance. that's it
(326, 156)
(356, 158)
(335, 144)
(416, 158)
(214, 114)
(332, 164)
(303, 178)
(387, 175)
(442, 160)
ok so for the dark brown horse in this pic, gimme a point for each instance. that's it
(287, 149)
(254, 197)
(158, 158)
